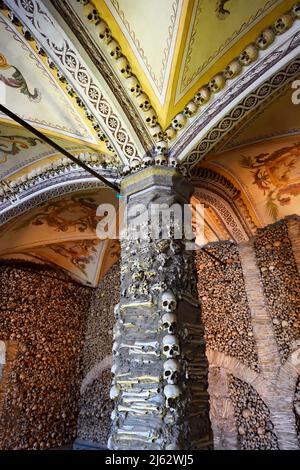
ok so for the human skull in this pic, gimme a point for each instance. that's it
(133, 85)
(169, 322)
(232, 69)
(114, 392)
(103, 32)
(156, 132)
(161, 160)
(171, 393)
(91, 13)
(296, 10)
(150, 117)
(202, 96)
(123, 66)
(113, 369)
(144, 102)
(114, 49)
(168, 301)
(170, 346)
(60, 77)
(135, 163)
(115, 348)
(190, 109)
(217, 83)
(161, 148)
(147, 160)
(170, 133)
(283, 23)
(116, 331)
(265, 38)
(173, 162)
(248, 55)
(171, 369)
(179, 121)
(117, 311)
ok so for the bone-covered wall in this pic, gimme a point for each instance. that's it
(42, 323)
(95, 405)
(251, 312)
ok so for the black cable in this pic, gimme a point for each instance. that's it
(57, 147)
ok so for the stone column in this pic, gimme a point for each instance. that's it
(159, 367)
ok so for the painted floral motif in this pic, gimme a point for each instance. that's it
(13, 144)
(13, 78)
(77, 213)
(79, 253)
(277, 175)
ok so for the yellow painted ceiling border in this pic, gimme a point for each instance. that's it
(221, 63)
(170, 108)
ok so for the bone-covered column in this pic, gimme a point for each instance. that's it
(159, 369)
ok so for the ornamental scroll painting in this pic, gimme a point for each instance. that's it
(13, 78)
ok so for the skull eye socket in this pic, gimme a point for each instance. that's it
(165, 303)
(166, 348)
(165, 325)
(167, 373)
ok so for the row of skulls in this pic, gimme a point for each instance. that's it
(170, 347)
(233, 69)
(132, 84)
(217, 83)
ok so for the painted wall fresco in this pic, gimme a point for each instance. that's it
(12, 77)
(63, 232)
(13, 145)
(31, 90)
(268, 174)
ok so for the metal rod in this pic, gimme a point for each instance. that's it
(57, 147)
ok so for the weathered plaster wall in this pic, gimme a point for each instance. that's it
(42, 319)
(251, 313)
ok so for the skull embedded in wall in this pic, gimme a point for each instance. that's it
(114, 49)
(133, 85)
(168, 301)
(143, 102)
(161, 148)
(114, 392)
(150, 117)
(296, 10)
(232, 69)
(171, 347)
(169, 322)
(123, 66)
(161, 160)
(190, 109)
(156, 132)
(202, 96)
(91, 13)
(147, 160)
(217, 83)
(265, 38)
(103, 32)
(172, 392)
(179, 121)
(115, 348)
(171, 370)
(283, 23)
(248, 55)
(173, 162)
(170, 133)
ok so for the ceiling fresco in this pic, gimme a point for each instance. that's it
(63, 232)
(175, 46)
(268, 174)
(31, 91)
(278, 118)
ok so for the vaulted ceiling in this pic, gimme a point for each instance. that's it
(111, 80)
